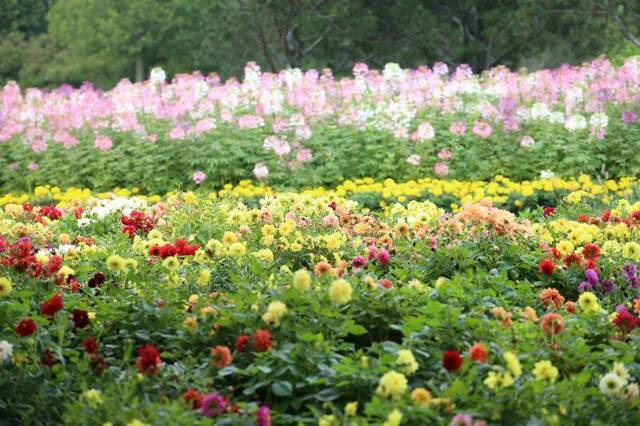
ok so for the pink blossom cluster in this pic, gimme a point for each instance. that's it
(287, 106)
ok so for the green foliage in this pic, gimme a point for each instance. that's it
(338, 153)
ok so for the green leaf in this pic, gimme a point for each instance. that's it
(458, 389)
(282, 388)
(355, 329)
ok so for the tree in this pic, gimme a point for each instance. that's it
(69, 41)
(125, 36)
(20, 21)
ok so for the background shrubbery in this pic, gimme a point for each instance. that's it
(51, 42)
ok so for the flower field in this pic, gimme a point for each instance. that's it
(307, 308)
(398, 248)
(300, 129)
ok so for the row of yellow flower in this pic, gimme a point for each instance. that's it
(497, 190)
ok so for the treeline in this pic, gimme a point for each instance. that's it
(50, 42)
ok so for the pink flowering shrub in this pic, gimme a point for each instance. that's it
(314, 128)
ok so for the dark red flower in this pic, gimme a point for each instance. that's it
(241, 342)
(546, 266)
(90, 345)
(148, 360)
(626, 321)
(261, 340)
(359, 262)
(452, 360)
(52, 306)
(97, 280)
(193, 398)
(26, 327)
(80, 318)
(548, 211)
(47, 358)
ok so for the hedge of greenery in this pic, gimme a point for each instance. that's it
(228, 155)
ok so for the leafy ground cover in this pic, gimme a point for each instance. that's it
(313, 309)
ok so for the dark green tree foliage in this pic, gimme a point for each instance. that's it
(21, 21)
(49, 42)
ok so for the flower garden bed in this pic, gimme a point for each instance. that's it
(308, 308)
(410, 247)
(300, 129)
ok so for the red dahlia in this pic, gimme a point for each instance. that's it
(26, 327)
(149, 360)
(97, 280)
(47, 358)
(129, 230)
(90, 345)
(193, 398)
(591, 264)
(546, 266)
(626, 322)
(51, 212)
(52, 306)
(241, 342)
(261, 340)
(54, 263)
(591, 251)
(452, 360)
